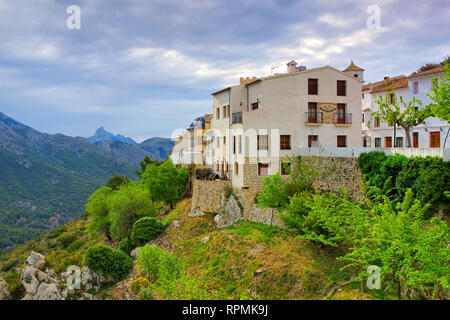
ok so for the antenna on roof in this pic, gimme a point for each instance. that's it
(271, 69)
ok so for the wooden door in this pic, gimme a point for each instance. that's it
(312, 112)
(415, 140)
(435, 139)
(388, 141)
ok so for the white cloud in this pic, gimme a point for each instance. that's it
(333, 20)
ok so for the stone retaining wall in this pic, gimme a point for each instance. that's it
(207, 195)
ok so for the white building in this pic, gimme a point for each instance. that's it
(430, 134)
(259, 122)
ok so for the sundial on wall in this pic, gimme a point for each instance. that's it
(328, 110)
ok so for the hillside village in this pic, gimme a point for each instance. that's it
(277, 194)
(255, 127)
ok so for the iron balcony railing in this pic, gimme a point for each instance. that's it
(342, 118)
(237, 117)
(313, 117)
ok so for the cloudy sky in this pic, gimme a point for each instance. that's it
(143, 68)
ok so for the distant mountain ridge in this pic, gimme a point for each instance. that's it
(156, 148)
(102, 135)
(46, 179)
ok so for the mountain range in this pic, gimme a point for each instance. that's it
(46, 179)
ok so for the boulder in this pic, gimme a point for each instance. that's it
(205, 239)
(48, 292)
(230, 212)
(196, 212)
(134, 253)
(36, 260)
(29, 279)
(4, 293)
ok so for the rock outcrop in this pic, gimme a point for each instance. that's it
(196, 212)
(39, 284)
(230, 212)
(4, 293)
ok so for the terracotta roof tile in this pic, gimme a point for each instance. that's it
(396, 83)
(438, 69)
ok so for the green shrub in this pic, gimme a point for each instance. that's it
(125, 245)
(158, 263)
(114, 263)
(146, 229)
(146, 294)
(15, 287)
(392, 176)
(74, 246)
(65, 239)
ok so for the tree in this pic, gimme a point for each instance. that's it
(165, 182)
(440, 96)
(273, 193)
(144, 163)
(115, 182)
(126, 205)
(405, 115)
(98, 211)
(411, 251)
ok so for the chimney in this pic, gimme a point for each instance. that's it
(291, 66)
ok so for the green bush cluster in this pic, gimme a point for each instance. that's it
(392, 176)
(158, 263)
(114, 263)
(146, 229)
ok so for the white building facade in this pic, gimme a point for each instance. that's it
(262, 121)
(376, 133)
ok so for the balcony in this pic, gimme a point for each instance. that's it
(343, 118)
(237, 117)
(313, 118)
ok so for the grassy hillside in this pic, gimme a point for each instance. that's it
(244, 261)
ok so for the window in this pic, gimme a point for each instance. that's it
(218, 113)
(415, 140)
(236, 168)
(363, 118)
(435, 139)
(285, 142)
(388, 142)
(341, 141)
(377, 122)
(355, 75)
(377, 142)
(240, 144)
(313, 86)
(285, 168)
(391, 98)
(224, 111)
(263, 142)
(415, 87)
(255, 105)
(399, 142)
(313, 141)
(312, 112)
(341, 87)
(263, 169)
(224, 140)
(234, 144)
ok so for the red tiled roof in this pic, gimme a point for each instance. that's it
(438, 69)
